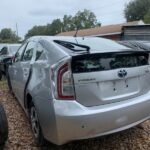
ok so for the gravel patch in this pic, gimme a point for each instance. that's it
(21, 138)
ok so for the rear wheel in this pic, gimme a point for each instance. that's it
(1, 75)
(9, 83)
(35, 125)
(3, 126)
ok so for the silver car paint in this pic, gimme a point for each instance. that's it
(103, 84)
(109, 112)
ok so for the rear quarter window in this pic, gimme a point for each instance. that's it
(39, 51)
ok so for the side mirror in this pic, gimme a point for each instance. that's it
(10, 61)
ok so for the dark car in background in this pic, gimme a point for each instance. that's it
(7, 52)
(3, 126)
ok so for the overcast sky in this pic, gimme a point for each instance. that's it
(27, 13)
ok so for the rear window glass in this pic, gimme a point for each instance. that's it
(95, 44)
(101, 62)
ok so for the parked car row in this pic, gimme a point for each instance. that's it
(3, 126)
(75, 88)
(7, 52)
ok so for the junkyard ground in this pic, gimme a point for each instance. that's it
(20, 135)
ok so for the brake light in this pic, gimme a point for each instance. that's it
(64, 89)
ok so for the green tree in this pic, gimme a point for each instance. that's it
(136, 9)
(82, 20)
(85, 19)
(147, 17)
(54, 28)
(7, 35)
(68, 23)
(36, 30)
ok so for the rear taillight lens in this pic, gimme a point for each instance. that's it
(62, 77)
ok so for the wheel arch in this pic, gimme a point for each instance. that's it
(28, 101)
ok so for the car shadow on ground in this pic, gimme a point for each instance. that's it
(21, 138)
(123, 140)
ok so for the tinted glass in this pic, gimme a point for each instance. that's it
(19, 53)
(98, 44)
(39, 51)
(28, 53)
(101, 62)
(13, 49)
(4, 51)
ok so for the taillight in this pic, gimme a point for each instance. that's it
(64, 89)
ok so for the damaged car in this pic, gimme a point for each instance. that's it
(74, 88)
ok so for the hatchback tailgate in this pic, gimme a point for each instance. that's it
(110, 77)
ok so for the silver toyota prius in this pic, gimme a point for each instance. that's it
(74, 88)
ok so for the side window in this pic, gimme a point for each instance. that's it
(4, 51)
(28, 53)
(19, 53)
(39, 51)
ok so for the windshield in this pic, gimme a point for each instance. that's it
(13, 49)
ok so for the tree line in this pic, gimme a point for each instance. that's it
(81, 20)
(138, 10)
(134, 10)
(8, 36)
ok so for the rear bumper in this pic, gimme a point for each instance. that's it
(74, 121)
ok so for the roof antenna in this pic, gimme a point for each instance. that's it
(77, 29)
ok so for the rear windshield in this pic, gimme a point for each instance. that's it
(101, 62)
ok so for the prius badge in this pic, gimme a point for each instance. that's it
(122, 73)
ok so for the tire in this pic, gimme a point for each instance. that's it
(9, 84)
(35, 126)
(3, 126)
(1, 75)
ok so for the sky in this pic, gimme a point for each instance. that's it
(28, 13)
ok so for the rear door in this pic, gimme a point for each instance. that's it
(21, 69)
(110, 77)
(25, 69)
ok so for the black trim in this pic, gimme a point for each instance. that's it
(70, 45)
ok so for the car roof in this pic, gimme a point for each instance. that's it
(97, 44)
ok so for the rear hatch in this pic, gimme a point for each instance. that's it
(104, 78)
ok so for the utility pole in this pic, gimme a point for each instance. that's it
(17, 29)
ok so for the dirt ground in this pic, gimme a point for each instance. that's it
(20, 135)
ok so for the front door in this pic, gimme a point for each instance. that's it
(23, 71)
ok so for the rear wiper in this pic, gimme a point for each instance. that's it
(72, 46)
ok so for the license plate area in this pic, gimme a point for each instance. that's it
(119, 89)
